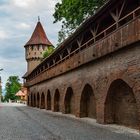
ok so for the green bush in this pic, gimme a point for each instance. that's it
(48, 52)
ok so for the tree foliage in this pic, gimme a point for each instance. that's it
(72, 13)
(47, 52)
(12, 87)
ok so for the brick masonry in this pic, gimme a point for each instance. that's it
(122, 65)
(99, 80)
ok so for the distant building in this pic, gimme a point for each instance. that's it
(22, 94)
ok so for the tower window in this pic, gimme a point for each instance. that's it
(38, 47)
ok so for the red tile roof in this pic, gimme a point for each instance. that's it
(20, 93)
(38, 36)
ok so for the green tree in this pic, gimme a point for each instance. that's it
(72, 13)
(2, 98)
(48, 52)
(12, 87)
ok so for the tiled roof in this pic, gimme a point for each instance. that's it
(20, 93)
(38, 36)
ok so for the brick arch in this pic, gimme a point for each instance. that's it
(28, 100)
(32, 103)
(48, 100)
(69, 101)
(42, 100)
(34, 100)
(56, 101)
(120, 104)
(87, 102)
(37, 99)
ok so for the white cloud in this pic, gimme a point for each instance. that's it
(3, 34)
(18, 20)
(33, 5)
(23, 3)
(23, 26)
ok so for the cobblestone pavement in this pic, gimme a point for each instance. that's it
(25, 123)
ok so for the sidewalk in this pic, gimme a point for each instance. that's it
(112, 127)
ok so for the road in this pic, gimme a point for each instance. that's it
(18, 122)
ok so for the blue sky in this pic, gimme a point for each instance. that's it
(18, 19)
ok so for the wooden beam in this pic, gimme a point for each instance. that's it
(70, 47)
(79, 40)
(53, 61)
(79, 43)
(94, 30)
(60, 56)
(122, 7)
(116, 16)
(68, 50)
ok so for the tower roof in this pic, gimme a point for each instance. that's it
(38, 36)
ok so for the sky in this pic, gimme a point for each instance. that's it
(18, 19)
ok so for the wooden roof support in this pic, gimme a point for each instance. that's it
(116, 16)
(79, 40)
(48, 64)
(94, 31)
(60, 56)
(69, 50)
(53, 61)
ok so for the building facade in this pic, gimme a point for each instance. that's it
(94, 73)
(22, 94)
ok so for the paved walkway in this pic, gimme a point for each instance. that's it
(18, 122)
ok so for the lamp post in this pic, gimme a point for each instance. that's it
(0, 87)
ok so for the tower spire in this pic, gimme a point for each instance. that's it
(39, 36)
(38, 18)
(38, 43)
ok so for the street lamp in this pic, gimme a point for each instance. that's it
(0, 86)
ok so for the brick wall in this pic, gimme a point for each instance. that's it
(122, 65)
(121, 38)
